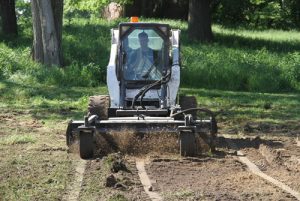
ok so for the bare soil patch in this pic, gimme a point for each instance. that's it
(43, 169)
(281, 162)
(210, 179)
(101, 182)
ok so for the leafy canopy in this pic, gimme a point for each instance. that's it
(91, 5)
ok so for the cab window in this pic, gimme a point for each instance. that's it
(143, 50)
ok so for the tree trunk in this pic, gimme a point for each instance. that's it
(144, 8)
(58, 7)
(199, 26)
(47, 30)
(37, 52)
(8, 16)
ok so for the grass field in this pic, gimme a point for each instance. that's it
(233, 74)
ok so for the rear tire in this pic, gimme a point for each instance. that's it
(187, 142)
(69, 136)
(98, 105)
(86, 145)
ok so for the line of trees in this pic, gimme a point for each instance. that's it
(47, 17)
(281, 14)
(47, 25)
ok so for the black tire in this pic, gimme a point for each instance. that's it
(187, 142)
(70, 135)
(98, 105)
(187, 102)
(86, 145)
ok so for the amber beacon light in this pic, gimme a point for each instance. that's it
(134, 19)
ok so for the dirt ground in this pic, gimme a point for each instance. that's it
(219, 176)
(224, 177)
(39, 167)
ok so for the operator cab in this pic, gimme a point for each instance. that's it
(143, 67)
(144, 50)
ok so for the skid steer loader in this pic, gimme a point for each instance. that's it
(143, 77)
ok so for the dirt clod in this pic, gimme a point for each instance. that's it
(110, 181)
(119, 165)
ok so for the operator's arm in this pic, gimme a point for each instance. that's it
(154, 71)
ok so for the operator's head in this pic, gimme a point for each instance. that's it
(143, 38)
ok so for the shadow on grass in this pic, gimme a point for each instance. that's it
(277, 107)
(47, 92)
(246, 43)
(46, 102)
(89, 43)
(82, 43)
(240, 42)
(20, 41)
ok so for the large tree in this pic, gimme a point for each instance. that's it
(47, 31)
(199, 26)
(8, 16)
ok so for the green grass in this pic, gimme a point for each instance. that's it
(239, 107)
(17, 139)
(118, 197)
(34, 162)
(238, 59)
(181, 194)
(243, 60)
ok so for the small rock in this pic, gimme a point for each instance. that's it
(150, 188)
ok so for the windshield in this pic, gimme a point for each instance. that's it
(143, 55)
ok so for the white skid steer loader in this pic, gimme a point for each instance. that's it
(143, 77)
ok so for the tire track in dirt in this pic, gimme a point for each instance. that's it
(255, 170)
(140, 165)
(73, 190)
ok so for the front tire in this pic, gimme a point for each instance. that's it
(187, 142)
(187, 102)
(86, 145)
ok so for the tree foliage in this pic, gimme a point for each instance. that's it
(282, 14)
(93, 6)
